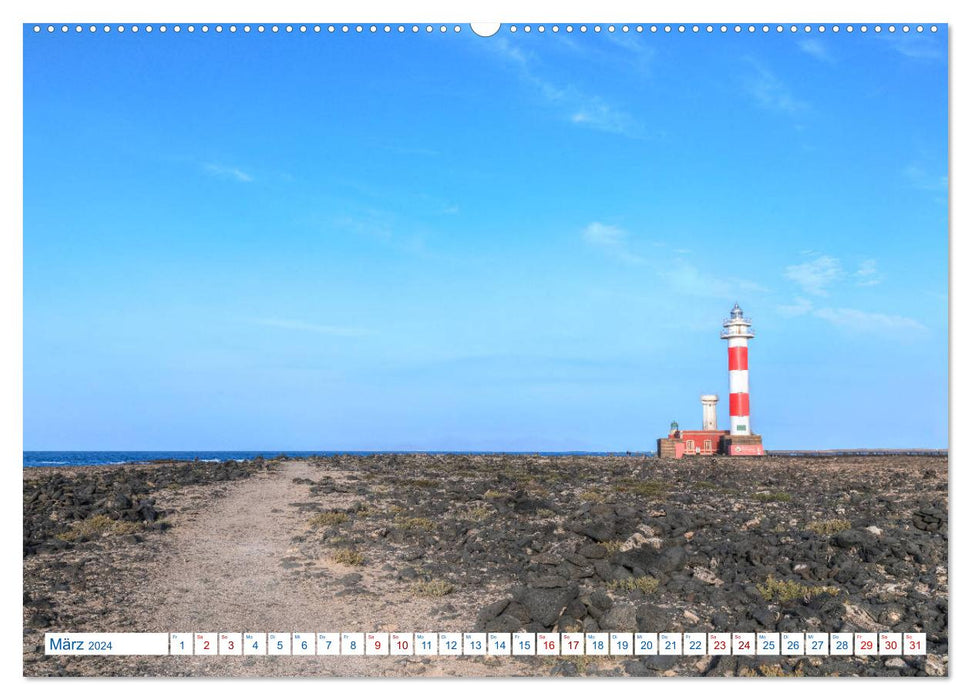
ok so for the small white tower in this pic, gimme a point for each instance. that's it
(709, 415)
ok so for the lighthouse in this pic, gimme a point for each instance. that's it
(737, 331)
(738, 440)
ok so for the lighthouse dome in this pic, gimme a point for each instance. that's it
(736, 311)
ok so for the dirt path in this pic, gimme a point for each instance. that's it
(225, 570)
(229, 567)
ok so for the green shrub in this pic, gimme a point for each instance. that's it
(348, 556)
(423, 524)
(97, 526)
(435, 588)
(643, 584)
(828, 527)
(328, 519)
(773, 496)
(478, 513)
(651, 489)
(612, 546)
(784, 591)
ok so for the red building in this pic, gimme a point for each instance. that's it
(703, 442)
(679, 442)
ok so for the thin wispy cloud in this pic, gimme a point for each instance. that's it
(639, 54)
(394, 230)
(817, 49)
(298, 325)
(227, 172)
(800, 307)
(512, 53)
(865, 321)
(919, 178)
(435, 204)
(817, 275)
(413, 150)
(852, 319)
(685, 278)
(770, 92)
(866, 274)
(597, 114)
(924, 47)
(368, 224)
(575, 105)
(679, 275)
(636, 55)
(613, 241)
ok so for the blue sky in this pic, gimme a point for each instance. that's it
(525, 242)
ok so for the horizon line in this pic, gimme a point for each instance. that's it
(500, 451)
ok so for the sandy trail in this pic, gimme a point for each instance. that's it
(225, 571)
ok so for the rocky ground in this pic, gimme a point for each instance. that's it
(491, 543)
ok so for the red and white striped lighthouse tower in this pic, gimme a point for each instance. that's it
(737, 331)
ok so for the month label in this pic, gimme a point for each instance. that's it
(107, 644)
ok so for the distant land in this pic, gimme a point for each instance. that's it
(51, 458)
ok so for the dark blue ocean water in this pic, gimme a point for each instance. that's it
(73, 459)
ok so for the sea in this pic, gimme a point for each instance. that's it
(77, 459)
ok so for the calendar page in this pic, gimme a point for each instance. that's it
(398, 348)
